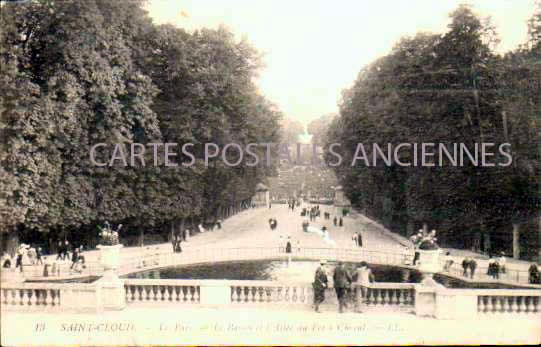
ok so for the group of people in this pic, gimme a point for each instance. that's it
(342, 282)
(496, 266)
(32, 254)
(338, 221)
(357, 239)
(468, 265)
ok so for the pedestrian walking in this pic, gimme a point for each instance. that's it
(38, 256)
(19, 260)
(472, 266)
(60, 250)
(288, 245)
(342, 282)
(46, 268)
(74, 258)
(320, 285)
(340, 222)
(335, 220)
(448, 262)
(363, 276)
(533, 273)
(359, 239)
(465, 266)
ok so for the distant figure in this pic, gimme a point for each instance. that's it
(342, 282)
(358, 238)
(46, 269)
(74, 257)
(38, 256)
(340, 222)
(288, 246)
(178, 249)
(465, 266)
(19, 260)
(493, 268)
(533, 272)
(6, 261)
(502, 261)
(448, 262)
(60, 250)
(66, 250)
(320, 285)
(335, 220)
(473, 266)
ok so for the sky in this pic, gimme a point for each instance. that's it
(313, 49)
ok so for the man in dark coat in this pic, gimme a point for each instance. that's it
(335, 220)
(288, 246)
(319, 285)
(342, 281)
(340, 222)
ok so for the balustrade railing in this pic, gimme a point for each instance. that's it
(499, 301)
(162, 291)
(392, 296)
(248, 292)
(43, 296)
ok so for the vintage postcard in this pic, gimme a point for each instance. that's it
(311, 172)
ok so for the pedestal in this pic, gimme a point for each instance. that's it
(111, 287)
(429, 261)
(215, 293)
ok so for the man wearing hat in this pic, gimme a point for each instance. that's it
(342, 281)
(320, 284)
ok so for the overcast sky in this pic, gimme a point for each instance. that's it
(314, 49)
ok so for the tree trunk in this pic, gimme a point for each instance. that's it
(516, 244)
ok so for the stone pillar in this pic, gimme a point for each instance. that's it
(215, 293)
(455, 304)
(111, 287)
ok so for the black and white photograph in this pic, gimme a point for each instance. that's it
(269, 172)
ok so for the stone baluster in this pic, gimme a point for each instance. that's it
(535, 304)
(269, 291)
(5, 296)
(140, 292)
(491, 304)
(398, 298)
(246, 292)
(521, 304)
(294, 296)
(302, 296)
(233, 294)
(509, 300)
(527, 301)
(481, 304)
(384, 298)
(192, 294)
(376, 293)
(30, 296)
(197, 294)
(254, 291)
(286, 296)
(260, 291)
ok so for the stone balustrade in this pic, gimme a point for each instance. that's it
(386, 296)
(167, 291)
(391, 297)
(46, 296)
